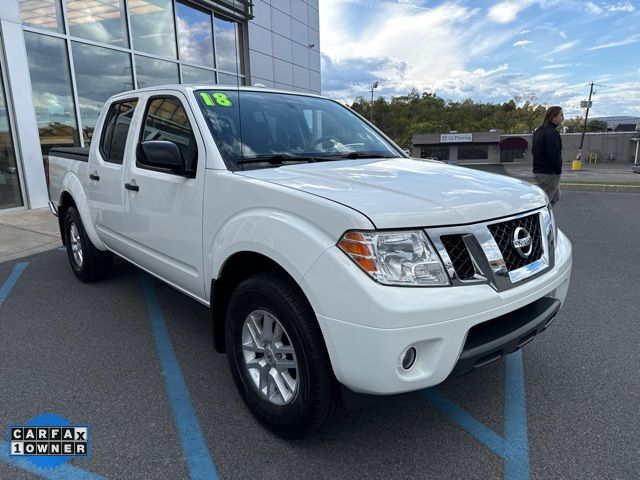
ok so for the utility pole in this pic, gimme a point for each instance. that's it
(586, 116)
(577, 163)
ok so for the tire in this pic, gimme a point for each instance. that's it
(307, 397)
(88, 263)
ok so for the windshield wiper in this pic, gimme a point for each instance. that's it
(352, 155)
(278, 159)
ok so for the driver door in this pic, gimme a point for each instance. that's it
(164, 209)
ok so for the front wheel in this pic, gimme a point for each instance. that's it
(88, 263)
(278, 357)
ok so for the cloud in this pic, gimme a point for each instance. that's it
(607, 8)
(457, 51)
(507, 12)
(621, 7)
(557, 65)
(594, 9)
(432, 52)
(347, 79)
(628, 41)
(564, 47)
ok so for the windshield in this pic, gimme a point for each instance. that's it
(263, 129)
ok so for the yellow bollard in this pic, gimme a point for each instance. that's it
(577, 163)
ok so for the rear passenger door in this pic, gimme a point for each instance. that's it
(163, 210)
(104, 190)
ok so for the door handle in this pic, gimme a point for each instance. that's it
(134, 188)
(95, 177)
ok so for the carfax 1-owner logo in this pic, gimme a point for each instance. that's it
(49, 440)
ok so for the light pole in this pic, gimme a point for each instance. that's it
(374, 85)
(577, 163)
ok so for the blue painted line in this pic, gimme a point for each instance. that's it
(64, 472)
(515, 419)
(514, 447)
(5, 290)
(62, 249)
(194, 447)
(468, 423)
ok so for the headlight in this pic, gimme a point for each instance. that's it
(549, 223)
(395, 258)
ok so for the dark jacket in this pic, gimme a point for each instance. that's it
(547, 150)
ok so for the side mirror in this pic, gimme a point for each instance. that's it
(161, 154)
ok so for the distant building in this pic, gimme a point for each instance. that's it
(496, 147)
(626, 127)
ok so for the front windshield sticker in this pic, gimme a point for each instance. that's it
(220, 98)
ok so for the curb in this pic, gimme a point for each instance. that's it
(600, 187)
(32, 251)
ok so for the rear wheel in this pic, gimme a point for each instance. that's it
(278, 357)
(88, 263)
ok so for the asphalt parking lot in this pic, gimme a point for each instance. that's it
(133, 359)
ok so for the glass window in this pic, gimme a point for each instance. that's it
(116, 129)
(439, 152)
(195, 35)
(198, 75)
(100, 73)
(51, 87)
(473, 152)
(166, 119)
(98, 20)
(151, 72)
(45, 14)
(152, 27)
(228, 47)
(259, 125)
(226, 79)
(9, 181)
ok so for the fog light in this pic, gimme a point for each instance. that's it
(408, 358)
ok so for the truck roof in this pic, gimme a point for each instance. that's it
(188, 88)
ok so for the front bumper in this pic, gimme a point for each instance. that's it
(367, 326)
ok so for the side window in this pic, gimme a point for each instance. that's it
(116, 129)
(166, 119)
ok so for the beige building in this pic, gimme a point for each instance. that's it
(496, 147)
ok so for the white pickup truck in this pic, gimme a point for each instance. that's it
(331, 261)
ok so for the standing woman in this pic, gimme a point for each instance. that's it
(547, 154)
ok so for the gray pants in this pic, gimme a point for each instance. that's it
(550, 183)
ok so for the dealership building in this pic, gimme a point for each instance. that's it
(496, 147)
(61, 59)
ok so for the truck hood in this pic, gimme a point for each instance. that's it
(402, 193)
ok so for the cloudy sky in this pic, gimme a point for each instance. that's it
(488, 51)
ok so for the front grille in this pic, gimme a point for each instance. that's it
(459, 255)
(503, 235)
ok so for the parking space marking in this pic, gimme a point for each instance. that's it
(194, 447)
(514, 447)
(5, 290)
(63, 472)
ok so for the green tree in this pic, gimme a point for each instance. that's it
(403, 116)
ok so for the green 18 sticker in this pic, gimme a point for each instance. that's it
(220, 99)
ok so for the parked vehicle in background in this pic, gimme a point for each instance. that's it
(330, 260)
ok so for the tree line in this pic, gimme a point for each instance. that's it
(404, 116)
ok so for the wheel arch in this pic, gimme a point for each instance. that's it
(73, 193)
(238, 267)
